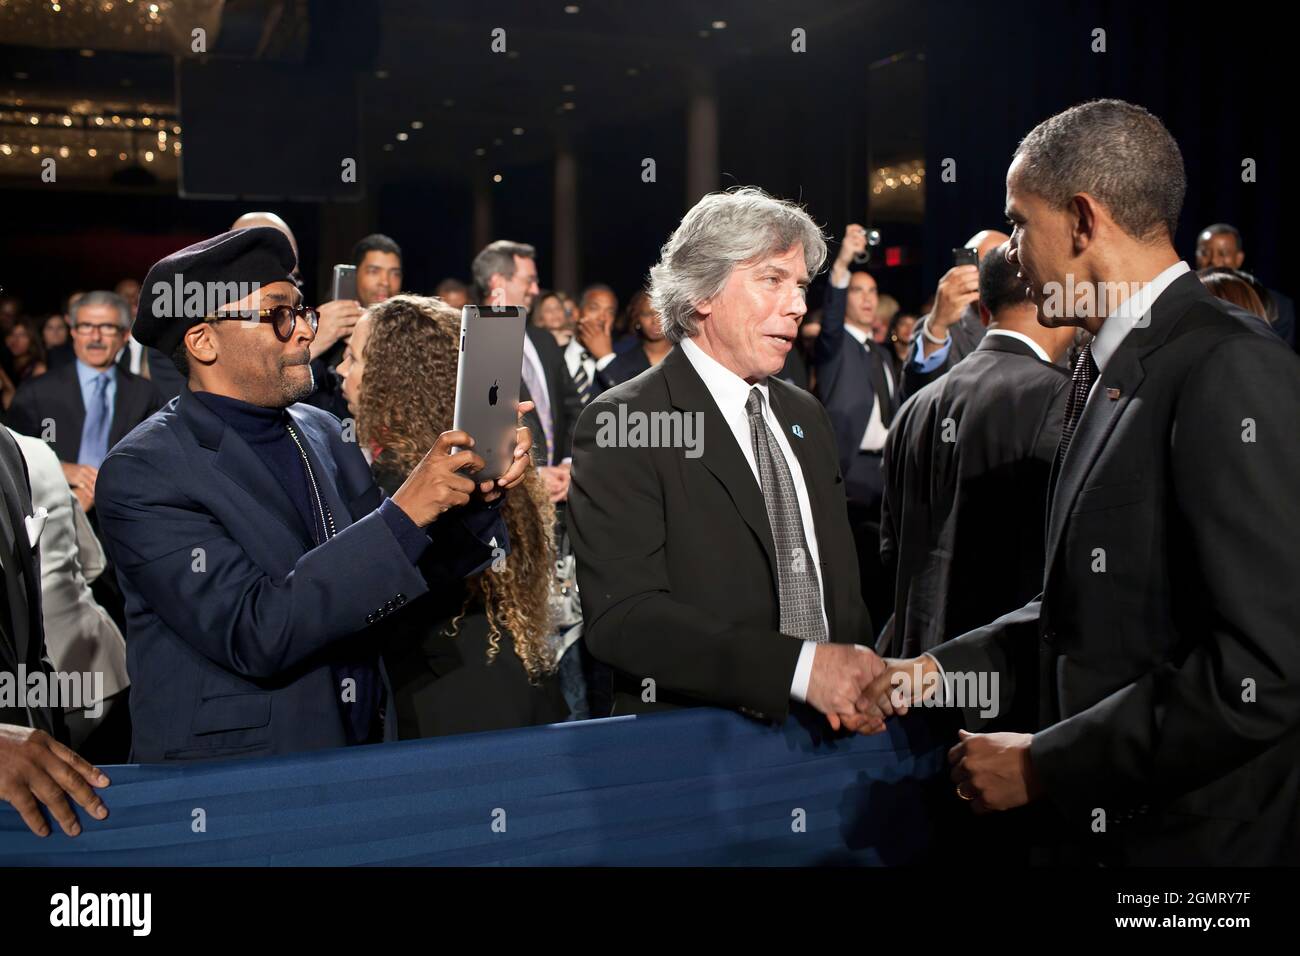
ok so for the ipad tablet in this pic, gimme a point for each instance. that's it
(487, 382)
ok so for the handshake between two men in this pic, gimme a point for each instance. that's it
(857, 691)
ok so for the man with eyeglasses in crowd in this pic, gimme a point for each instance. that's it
(83, 408)
(260, 562)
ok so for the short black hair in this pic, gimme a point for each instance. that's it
(375, 242)
(1115, 151)
(999, 285)
(1220, 228)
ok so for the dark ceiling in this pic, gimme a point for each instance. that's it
(432, 63)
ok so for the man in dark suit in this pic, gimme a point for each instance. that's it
(966, 468)
(259, 560)
(856, 384)
(1220, 244)
(152, 365)
(506, 274)
(952, 329)
(715, 562)
(1161, 654)
(85, 408)
(35, 766)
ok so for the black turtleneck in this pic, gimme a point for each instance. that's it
(266, 430)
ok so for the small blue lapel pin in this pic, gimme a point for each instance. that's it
(798, 430)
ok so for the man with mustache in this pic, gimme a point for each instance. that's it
(83, 408)
(259, 560)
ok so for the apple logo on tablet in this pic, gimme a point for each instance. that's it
(492, 393)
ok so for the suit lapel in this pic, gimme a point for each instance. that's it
(1114, 390)
(123, 406)
(10, 630)
(323, 467)
(722, 456)
(240, 464)
(22, 577)
(73, 416)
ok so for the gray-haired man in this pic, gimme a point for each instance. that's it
(707, 511)
(86, 407)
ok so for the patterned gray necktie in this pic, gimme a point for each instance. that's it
(797, 585)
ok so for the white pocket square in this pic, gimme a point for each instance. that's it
(35, 525)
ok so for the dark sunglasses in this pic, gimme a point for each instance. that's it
(283, 319)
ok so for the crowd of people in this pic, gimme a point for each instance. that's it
(261, 532)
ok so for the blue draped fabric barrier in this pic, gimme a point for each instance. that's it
(696, 787)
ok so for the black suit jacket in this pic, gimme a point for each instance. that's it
(1163, 651)
(676, 565)
(56, 396)
(965, 506)
(849, 378)
(626, 366)
(162, 372)
(566, 403)
(22, 635)
(966, 336)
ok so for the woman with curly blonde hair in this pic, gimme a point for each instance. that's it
(473, 655)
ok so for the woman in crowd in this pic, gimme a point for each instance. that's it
(25, 345)
(653, 345)
(899, 338)
(1235, 286)
(474, 655)
(552, 312)
(57, 339)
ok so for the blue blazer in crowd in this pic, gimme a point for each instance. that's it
(234, 619)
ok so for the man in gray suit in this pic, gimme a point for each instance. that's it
(81, 637)
(34, 766)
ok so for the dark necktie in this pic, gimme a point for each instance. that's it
(582, 380)
(1085, 374)
(797, 586)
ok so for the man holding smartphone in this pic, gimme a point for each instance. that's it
(953, 329)
(377, 261)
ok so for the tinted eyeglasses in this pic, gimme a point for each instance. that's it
(283, 319)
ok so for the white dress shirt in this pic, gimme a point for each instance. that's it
(543, 401)
(1021, 337)
(137, 352)
(731, 394)
(1121, 322)
(575, 355)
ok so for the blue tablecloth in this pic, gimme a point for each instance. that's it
(697, 787)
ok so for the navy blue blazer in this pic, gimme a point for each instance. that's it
(233, 617)
(849, 377)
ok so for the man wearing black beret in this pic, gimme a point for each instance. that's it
(259, 560)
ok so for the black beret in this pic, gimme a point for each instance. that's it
(206, 278)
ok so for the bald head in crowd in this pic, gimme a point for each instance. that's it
(250, 219)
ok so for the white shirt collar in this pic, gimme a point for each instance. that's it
(730, 392)
(1120, 323)
(856, 332)
(1021, 337)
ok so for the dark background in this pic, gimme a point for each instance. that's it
(879, 81)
